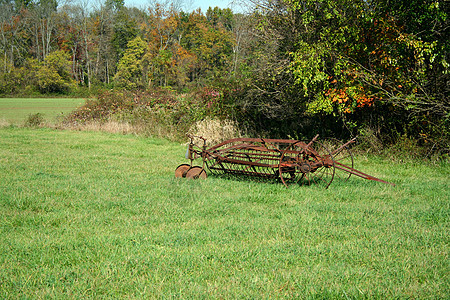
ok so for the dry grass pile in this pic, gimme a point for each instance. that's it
(4, 123)
(108, 126)
(216, 130)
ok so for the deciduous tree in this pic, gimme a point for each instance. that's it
(132, 65)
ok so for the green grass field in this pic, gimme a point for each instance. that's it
(97, 215)
(16, 110)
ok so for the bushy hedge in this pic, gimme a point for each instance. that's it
(160, 108)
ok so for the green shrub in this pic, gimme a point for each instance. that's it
(34, 120)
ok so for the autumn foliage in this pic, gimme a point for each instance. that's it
(282, 68)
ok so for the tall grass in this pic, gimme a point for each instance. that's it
(98, 215)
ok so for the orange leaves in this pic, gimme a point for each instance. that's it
(337, 95)
(365, 100)
(348, 98)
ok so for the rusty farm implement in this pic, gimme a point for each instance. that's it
(291, 161)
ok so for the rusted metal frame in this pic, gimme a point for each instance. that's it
(262, 151)
(343, 146)
(251, 151)
(254, 140)
(259, 169)
(218, 163)
(238, 146)
(247, 152)
(240, 140)
(345, 168)
(314, 165)
(244, 154)
(195, 153)
(229, 170)
(241, 162)
(265, 159)
(208, 155)
(273, 144)
(306, 149)
(257, 164)
(327, 160)
(248, 158)
(312, 141)
(243, 147)
(317, 165)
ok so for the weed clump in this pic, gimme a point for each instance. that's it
(34, 120)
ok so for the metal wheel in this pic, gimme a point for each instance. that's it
(181, 170)
(195, 173)
(306, 164)
(341, 155)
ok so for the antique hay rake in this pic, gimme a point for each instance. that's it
(291, 161)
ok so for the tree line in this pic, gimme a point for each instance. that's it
(341, 67)
(110, 45)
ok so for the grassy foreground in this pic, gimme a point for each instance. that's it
(16, 110)
(97, 215)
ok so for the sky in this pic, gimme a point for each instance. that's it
(188, 5)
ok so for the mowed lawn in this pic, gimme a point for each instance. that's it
(97, 215)
(16, 110)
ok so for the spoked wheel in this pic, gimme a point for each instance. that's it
(195, 173)
(181, 170)
(306, 165)
(341, 155)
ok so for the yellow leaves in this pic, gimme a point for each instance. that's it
(320, 104)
